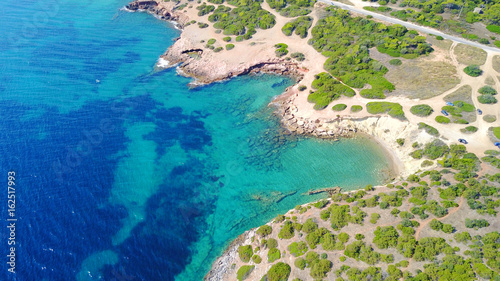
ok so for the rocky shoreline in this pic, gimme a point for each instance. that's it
(194, 60)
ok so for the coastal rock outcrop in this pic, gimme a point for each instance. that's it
(162, 10)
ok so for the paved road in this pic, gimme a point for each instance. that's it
(410, 25)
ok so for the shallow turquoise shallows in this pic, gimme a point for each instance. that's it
(123, 172)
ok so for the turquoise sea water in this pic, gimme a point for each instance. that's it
(123, 173)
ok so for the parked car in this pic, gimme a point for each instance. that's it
(444, 112)
(497, 144)
(462, 141)
(479, 111)
(450, 104)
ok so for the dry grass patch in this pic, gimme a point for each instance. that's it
(463, 93)
(440, 44)
(489, 81)
(470, 55)
(423, 79)
(496, 63)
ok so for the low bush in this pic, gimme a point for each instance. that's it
(442, 119)
(493, 28)
(245, 253)
(218, 49)
(298, 56)
(244, 272)
(227, 39)
(273, 254)
(473, 70)
(302, 87)
(393, 109)
(278, 272)
(487, 99)
(395, 62)
(429, 129)
(229, 46)
(487, 90)
(356, 108)
(469, 130)
(421, 110)
(339, 107)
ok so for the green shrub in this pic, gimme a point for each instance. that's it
(273, 254)
(244, 272)
(421, 110)
(227, 39)
(298, 56)
(493, 28)
(302, 87)
(297, 249)
(327, 89)
(218, 49)
(229, 46)
(442, 119)
(281, 45)
(487, 90)
(496, 132)
(264, 230)
(256, 259)
(339, 107)
(439, 38)
(484, 41)
(469, 130)
(271, 243)
(401, 142)
(356, 108)
(286, 231)
(279, 272)
(211, 41)
(393, 109)
(426, 163)
(239, 38)
(281, 52)
(487, 99)
(476, 223)
(429, 129)
(395, 62)
(473, 70)
(320, 269)
(300, 263)
(202, 25)
(245, 253)
(489, 118)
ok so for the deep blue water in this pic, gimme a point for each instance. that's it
(122, 172)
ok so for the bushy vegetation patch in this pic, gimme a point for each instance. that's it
(292, 8)
(442, 119)
(487, 99)
(469, 130)
(229, 46)
(245, 253)
(429, 129)
(243, 20)
(487, 90)
(356, 108)
(327, 89)
(300, 25)
(339, 107)
(473, 70)
(395, 62)
(244, 272)
(346, 40)
(393, 109)
(278, 272)
(421, 110)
